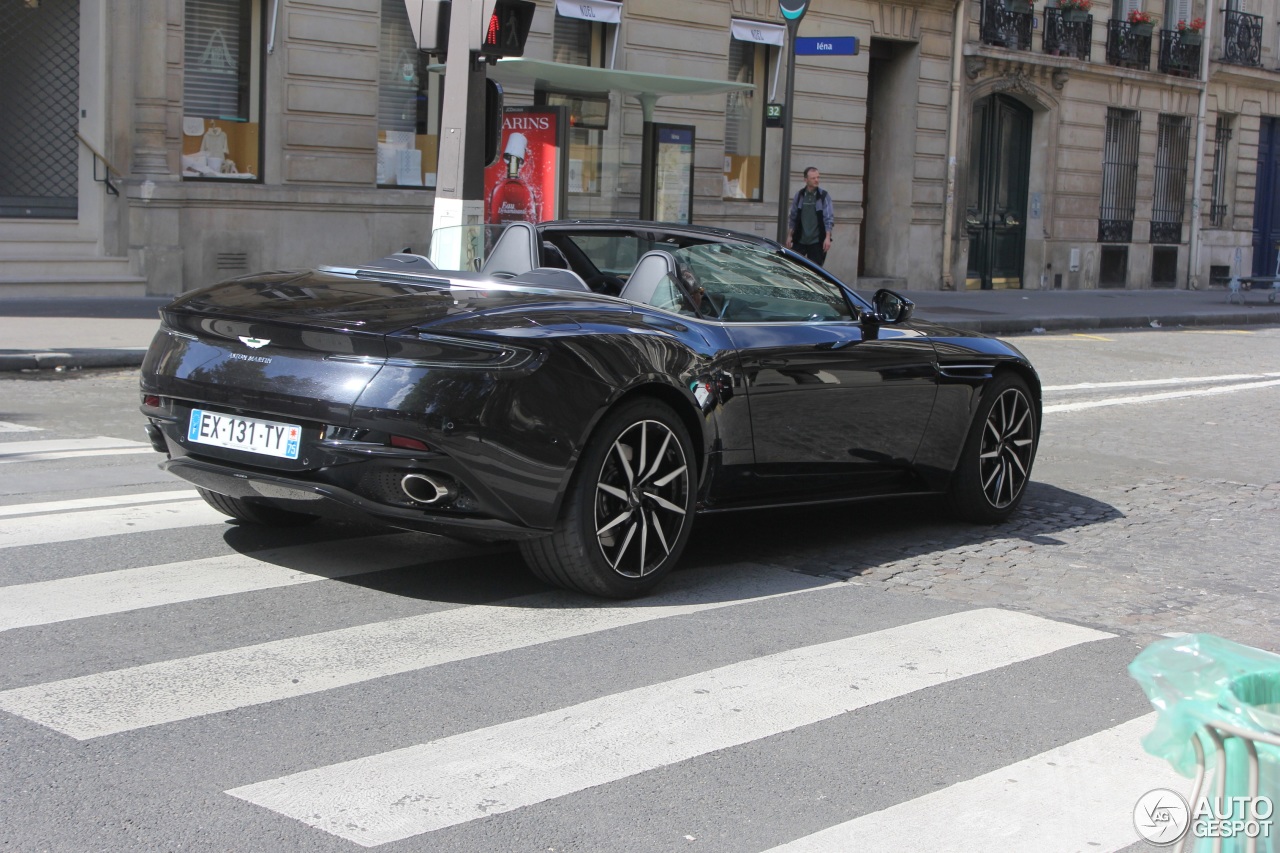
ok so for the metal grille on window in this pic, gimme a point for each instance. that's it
(216, 75)
(1173, 141)
(1221, 138)
(39, 103)
(1119, 176)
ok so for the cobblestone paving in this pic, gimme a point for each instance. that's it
(1167, 555)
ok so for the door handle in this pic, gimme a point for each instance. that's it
(773, 362)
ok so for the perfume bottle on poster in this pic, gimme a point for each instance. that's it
(512, 200)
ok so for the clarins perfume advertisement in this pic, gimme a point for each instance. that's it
(527, 180)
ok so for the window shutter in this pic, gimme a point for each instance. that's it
(216, 70)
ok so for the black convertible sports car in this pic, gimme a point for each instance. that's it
(585, 388)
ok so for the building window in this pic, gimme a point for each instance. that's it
(221, 90)
(408, 115)
(744, 122)
(577, 41)
(1173, 142)
(1119, 176)
(1221, 140)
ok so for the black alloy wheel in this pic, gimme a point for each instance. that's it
(629, 510)
(995, 465)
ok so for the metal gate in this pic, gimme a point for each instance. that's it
(40, 104)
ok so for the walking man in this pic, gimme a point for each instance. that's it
(812, 220)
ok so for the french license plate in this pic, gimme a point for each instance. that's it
(249, 434)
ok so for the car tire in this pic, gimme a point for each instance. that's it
(254, 513)
(995, 464)
(627, 516)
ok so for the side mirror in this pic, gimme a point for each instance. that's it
(890, 307)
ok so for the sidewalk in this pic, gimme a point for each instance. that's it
(82, 333)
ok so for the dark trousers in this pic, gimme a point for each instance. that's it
(812, 251)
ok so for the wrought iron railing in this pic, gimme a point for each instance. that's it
(1006, 23)
(1068, 35)
(1129, 45)
(1180, 52)
(1242, 38)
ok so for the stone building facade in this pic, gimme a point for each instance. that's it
(164, 144)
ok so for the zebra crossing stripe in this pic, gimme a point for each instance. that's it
(1157, 398)
(1079, 796)
(84, 596)
(95, 503)
(58, 527)
(10, 426)
(126, 699)
(419, 789)
(42, 451)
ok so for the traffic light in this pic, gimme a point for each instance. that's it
(429, 20)
(507, 28)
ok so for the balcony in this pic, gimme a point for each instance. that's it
(1242, 38)
(1129, 45)
(1006, 23)
(1063, 37)
(1180, 52)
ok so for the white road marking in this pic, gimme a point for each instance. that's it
(1155, 398)
(43, 451)
(407, 792)
(1079, 796)
(9, 426)
(59, 527)
(43, 602)
(94, 503)
(111, 702)
(1177, 380)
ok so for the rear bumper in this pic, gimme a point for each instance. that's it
(329, 501)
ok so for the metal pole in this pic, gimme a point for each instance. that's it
(459, 196)
(784, 176)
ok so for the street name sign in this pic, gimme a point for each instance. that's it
(827, 46)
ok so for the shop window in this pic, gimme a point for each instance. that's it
(408, 106)
(221, 90)
(744, 122)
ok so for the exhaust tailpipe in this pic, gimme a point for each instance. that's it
(422, 489)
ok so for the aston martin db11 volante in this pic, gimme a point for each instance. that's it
(584, 388)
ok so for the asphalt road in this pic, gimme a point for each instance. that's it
(860, 678)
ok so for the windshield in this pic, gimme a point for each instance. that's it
(746, 283)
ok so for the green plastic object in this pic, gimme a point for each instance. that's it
(1201, 680)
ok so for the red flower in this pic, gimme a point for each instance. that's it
(1137, 16)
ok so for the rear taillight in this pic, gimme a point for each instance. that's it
(409, 443)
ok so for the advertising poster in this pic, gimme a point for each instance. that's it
(673, 173)
(527, 180)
